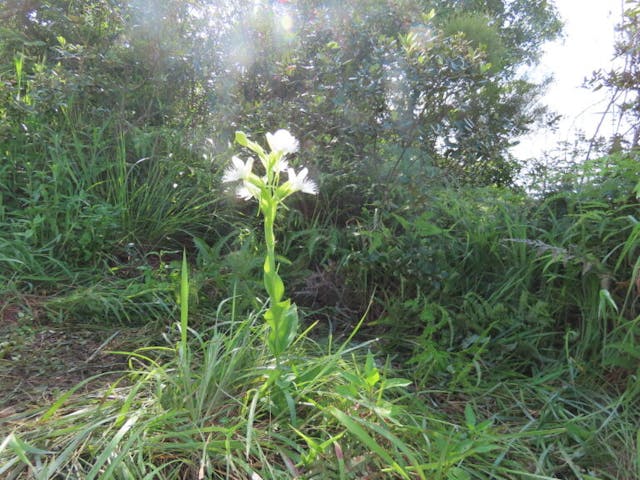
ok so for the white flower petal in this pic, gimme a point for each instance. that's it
(238, 171)
(248, 191)
(281, 165)
(310, 187)
(300, 182)
(282, 141)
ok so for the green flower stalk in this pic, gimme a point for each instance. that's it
(270, 191)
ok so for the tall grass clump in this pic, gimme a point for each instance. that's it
(90, 202)
(587, 252)
(88, 197)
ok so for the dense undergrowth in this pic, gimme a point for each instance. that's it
(448, 331)
(453, 332)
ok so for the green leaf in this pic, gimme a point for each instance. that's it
(425, 228)
(402, 221)
(352, 378)
(184, 300)
(21, 449)
(490, 447)
(241, 138)
(361, 434)
(371, 373)
(281, 259)
(282, 319)
(396, 383)
(426, 17)
(273, 283)
(469, 416)
(457, 473)
(112, 452)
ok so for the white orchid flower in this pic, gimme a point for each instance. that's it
(281, 165)
(298, 182)
(248, 191)
(238, 171)
(282, 141)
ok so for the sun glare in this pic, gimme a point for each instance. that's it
(286, 22)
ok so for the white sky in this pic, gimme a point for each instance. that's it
(589, 36)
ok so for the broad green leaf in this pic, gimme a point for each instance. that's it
(273, 283)
(396, 383)
(469, 416)
(282, 319)
(241, 138)
(372, 375)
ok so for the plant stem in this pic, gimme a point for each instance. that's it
(269, 212)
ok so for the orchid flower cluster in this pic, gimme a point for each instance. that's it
(253, 186)
(270, 191)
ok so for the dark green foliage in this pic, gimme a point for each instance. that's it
(488, 277)
(80, 182)
(505, 310)
(100, 103)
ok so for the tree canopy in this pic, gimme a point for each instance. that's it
(623, 81)
(395, 84)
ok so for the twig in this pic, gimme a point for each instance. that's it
(104, 344)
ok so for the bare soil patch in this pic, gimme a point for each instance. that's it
(40, 360)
